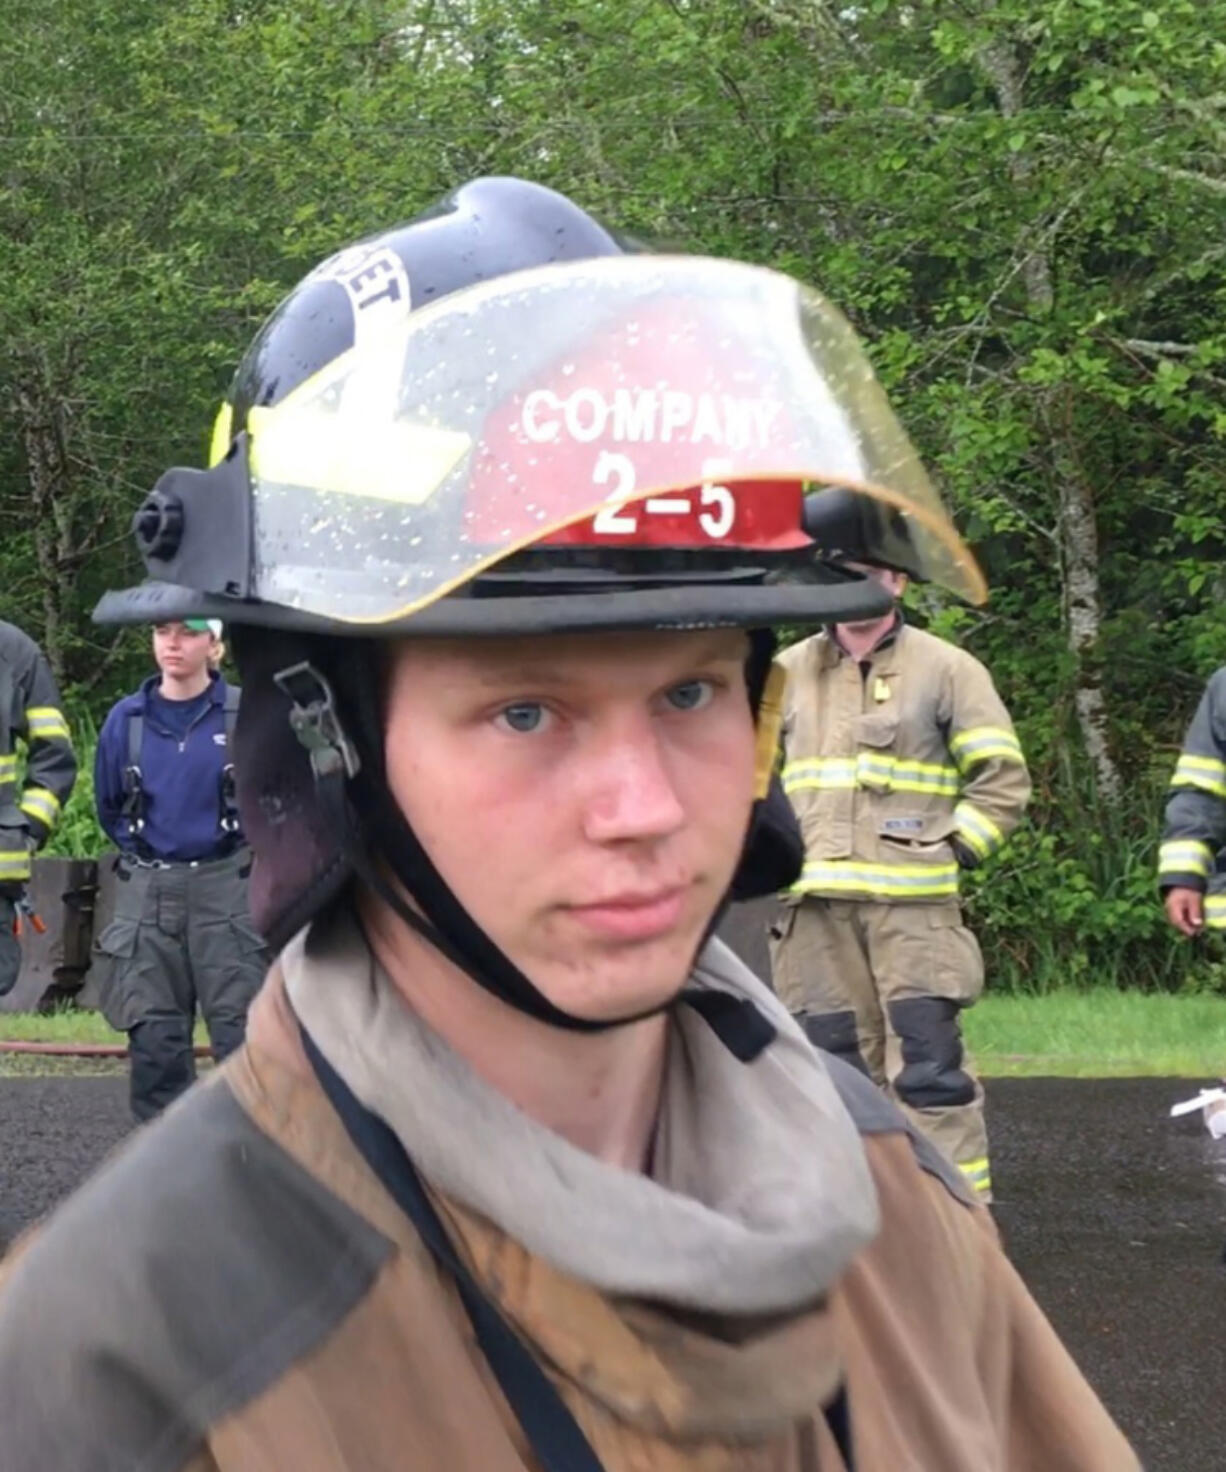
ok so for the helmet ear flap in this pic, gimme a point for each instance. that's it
(301, 865)
(774, 852)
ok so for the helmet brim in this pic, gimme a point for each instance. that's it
(840, 599)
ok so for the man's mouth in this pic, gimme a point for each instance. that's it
(633, 915)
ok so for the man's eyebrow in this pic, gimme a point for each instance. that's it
(529, 673)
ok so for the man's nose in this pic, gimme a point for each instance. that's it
(633, 793)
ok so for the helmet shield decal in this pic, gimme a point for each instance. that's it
(620, 401)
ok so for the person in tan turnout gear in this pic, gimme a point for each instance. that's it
(519, 1170)
(903, 767)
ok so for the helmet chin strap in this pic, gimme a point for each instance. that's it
(350, 785)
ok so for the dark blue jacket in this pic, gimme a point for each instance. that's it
(182, 787)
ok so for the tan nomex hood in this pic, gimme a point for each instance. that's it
(759, 1193)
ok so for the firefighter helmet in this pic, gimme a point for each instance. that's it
(496, 419)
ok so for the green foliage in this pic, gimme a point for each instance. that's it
(1071, 902)
(1019, 204)
(78, 834)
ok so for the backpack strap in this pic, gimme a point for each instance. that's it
(133, 809)
(227, 793)
(234, 698)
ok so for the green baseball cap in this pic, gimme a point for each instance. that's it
(204, 626)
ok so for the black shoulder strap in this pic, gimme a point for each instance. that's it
(234, 696)
(136, 735)
(553, 1433)
(133, 809)
(231, 822)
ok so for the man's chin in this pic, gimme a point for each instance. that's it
(630, 982)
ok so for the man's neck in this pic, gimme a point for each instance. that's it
(858, 640)
(599, 1090)
(174, 687)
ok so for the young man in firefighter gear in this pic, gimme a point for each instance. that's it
(1192, 855)
(904, 769)
(518, 1169)
(30, 806)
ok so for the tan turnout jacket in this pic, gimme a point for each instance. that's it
(239, 1293)
(886, 765)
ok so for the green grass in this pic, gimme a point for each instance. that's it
(58, 1027)
(1092, 1034)
(1099, 1034)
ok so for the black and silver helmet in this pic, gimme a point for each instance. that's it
(498, 419)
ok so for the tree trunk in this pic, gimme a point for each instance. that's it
(43, 438)
(1078, 537)
(1076, 526)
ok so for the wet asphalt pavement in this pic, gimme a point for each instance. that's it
(1115, 1215)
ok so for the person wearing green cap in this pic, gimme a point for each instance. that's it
(181, 935)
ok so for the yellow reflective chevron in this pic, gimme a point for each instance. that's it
(38, 803)
(977, 1173)
(47, 723)
(872, 770)
(977, 830)
(1205, 772)
(223, 431)
(1184, 856)
(878, 881)
(979, 743)
(1215, 911)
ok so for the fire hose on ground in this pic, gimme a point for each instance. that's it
(80, 1050)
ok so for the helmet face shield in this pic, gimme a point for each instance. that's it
(624, 401)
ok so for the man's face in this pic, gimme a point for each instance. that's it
(585, 797)
(894, 582)
(180, 651)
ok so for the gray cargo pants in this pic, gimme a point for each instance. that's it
(181, 937)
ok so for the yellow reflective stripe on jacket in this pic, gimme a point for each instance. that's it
(14, 865)
(981, 742)
(1215, 911)
(880, 881)
(977, 830)
(1184, 856)
(41, 804)
(910, 776)
(870, 770)
(977, 1173)
(8, 768)
(1205, 772)
(47, 723)
(818, 772)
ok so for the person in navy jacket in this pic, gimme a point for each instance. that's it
(181, 935)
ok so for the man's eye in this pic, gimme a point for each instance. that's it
(524, 717)
(690, 694)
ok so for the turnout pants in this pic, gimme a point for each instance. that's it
(181, 937)
(882, 986)
(10, 947)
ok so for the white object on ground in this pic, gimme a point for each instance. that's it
(1212, 1103)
